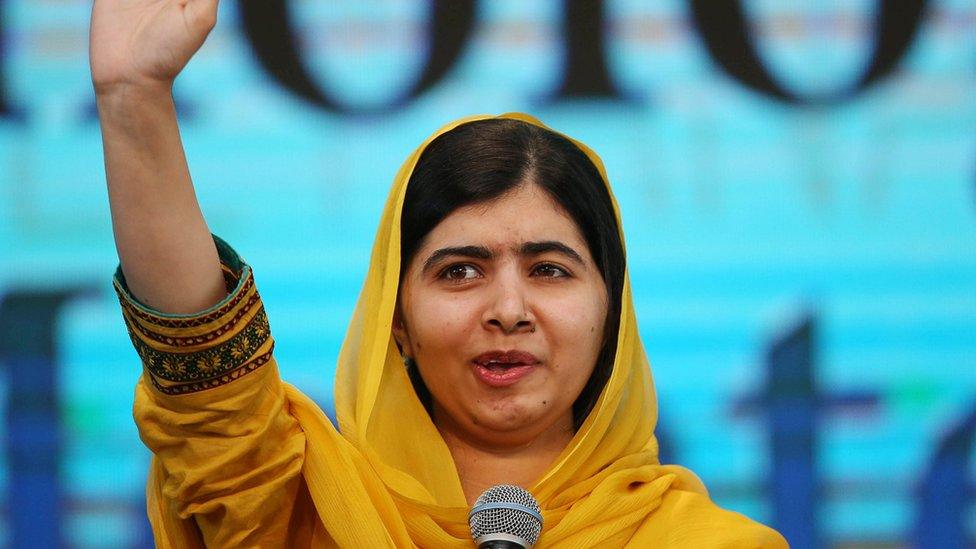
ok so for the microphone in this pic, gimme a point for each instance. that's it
(505, 517)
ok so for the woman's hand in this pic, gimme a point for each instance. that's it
(146, 42)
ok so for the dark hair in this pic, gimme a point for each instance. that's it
(482, 160)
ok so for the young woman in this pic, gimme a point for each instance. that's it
(494, 342)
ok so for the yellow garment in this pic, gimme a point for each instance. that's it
(242, 459)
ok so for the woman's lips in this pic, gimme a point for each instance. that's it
(503, 368)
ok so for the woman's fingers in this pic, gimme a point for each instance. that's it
(137, 41)
(203, 14)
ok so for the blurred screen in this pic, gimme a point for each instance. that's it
(797, 190)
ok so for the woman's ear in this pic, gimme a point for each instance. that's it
(400, 333)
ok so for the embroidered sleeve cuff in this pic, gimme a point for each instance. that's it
(187, 353)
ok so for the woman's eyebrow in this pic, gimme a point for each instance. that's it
(537, 248)
(477, 252)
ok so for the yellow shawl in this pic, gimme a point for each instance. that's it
(389, 479)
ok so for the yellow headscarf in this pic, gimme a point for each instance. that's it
(389, 478)
(601, 488)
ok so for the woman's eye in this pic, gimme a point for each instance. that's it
(548, 270)
(459, 272)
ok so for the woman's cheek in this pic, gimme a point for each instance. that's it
(441, 322)
(577, 320)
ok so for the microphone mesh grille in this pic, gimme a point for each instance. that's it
(507, 521)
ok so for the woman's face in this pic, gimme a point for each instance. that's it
(503, 310)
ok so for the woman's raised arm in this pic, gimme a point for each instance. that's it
(137, 48)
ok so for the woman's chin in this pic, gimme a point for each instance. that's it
(503, 420)
(511, 424)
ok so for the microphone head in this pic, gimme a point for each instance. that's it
(505, 513)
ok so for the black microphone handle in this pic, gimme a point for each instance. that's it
(500, 544)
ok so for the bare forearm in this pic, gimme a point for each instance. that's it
(164, 245)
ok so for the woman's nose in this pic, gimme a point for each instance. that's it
(508, 308)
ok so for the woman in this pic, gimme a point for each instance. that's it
(494, 342)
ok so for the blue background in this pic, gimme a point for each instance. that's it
(804, 274)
